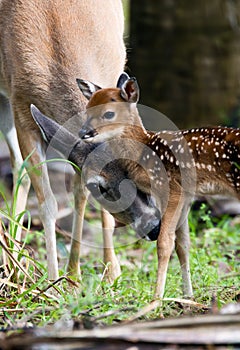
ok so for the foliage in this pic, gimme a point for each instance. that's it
(27, 298)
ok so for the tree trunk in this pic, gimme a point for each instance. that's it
(186, 57)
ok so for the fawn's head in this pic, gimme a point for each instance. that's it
(109, 111)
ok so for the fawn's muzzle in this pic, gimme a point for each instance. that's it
(148, 226)
(128, 205)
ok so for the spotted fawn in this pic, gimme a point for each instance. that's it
(174, 165)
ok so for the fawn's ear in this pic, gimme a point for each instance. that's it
(87, 88)
(130, 90)
(121, 80)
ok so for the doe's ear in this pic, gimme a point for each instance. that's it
(130, 90)
(60, 139)
(121, 80)
(87, 88)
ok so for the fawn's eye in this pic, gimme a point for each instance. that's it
(108, 115)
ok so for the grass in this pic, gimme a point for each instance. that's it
(25, 298)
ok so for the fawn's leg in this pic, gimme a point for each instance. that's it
(166, 240)
(113, 268)
(182, 248)
(80, 199)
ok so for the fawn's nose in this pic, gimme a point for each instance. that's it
(154, 233)
(86, 133)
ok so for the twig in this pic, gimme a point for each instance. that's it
(158, 304)
(15, 261)
(229, 275)
(146, 309)
(52, 285)
(113, 312)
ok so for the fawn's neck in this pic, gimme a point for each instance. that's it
(135, 130)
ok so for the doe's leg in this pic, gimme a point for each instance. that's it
(113, 268)
(80, 199)
(110, 259)
(30, 140)
(9, 131)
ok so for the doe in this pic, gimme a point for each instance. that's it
(173, 165)
(44, 45)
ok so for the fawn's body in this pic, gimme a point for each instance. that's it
(173, 166)
(44, 46)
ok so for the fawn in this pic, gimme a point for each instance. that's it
(44, 45)
(173, 165)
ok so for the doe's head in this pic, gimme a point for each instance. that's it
(109, 110)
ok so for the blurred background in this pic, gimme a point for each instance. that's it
(186, 57)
